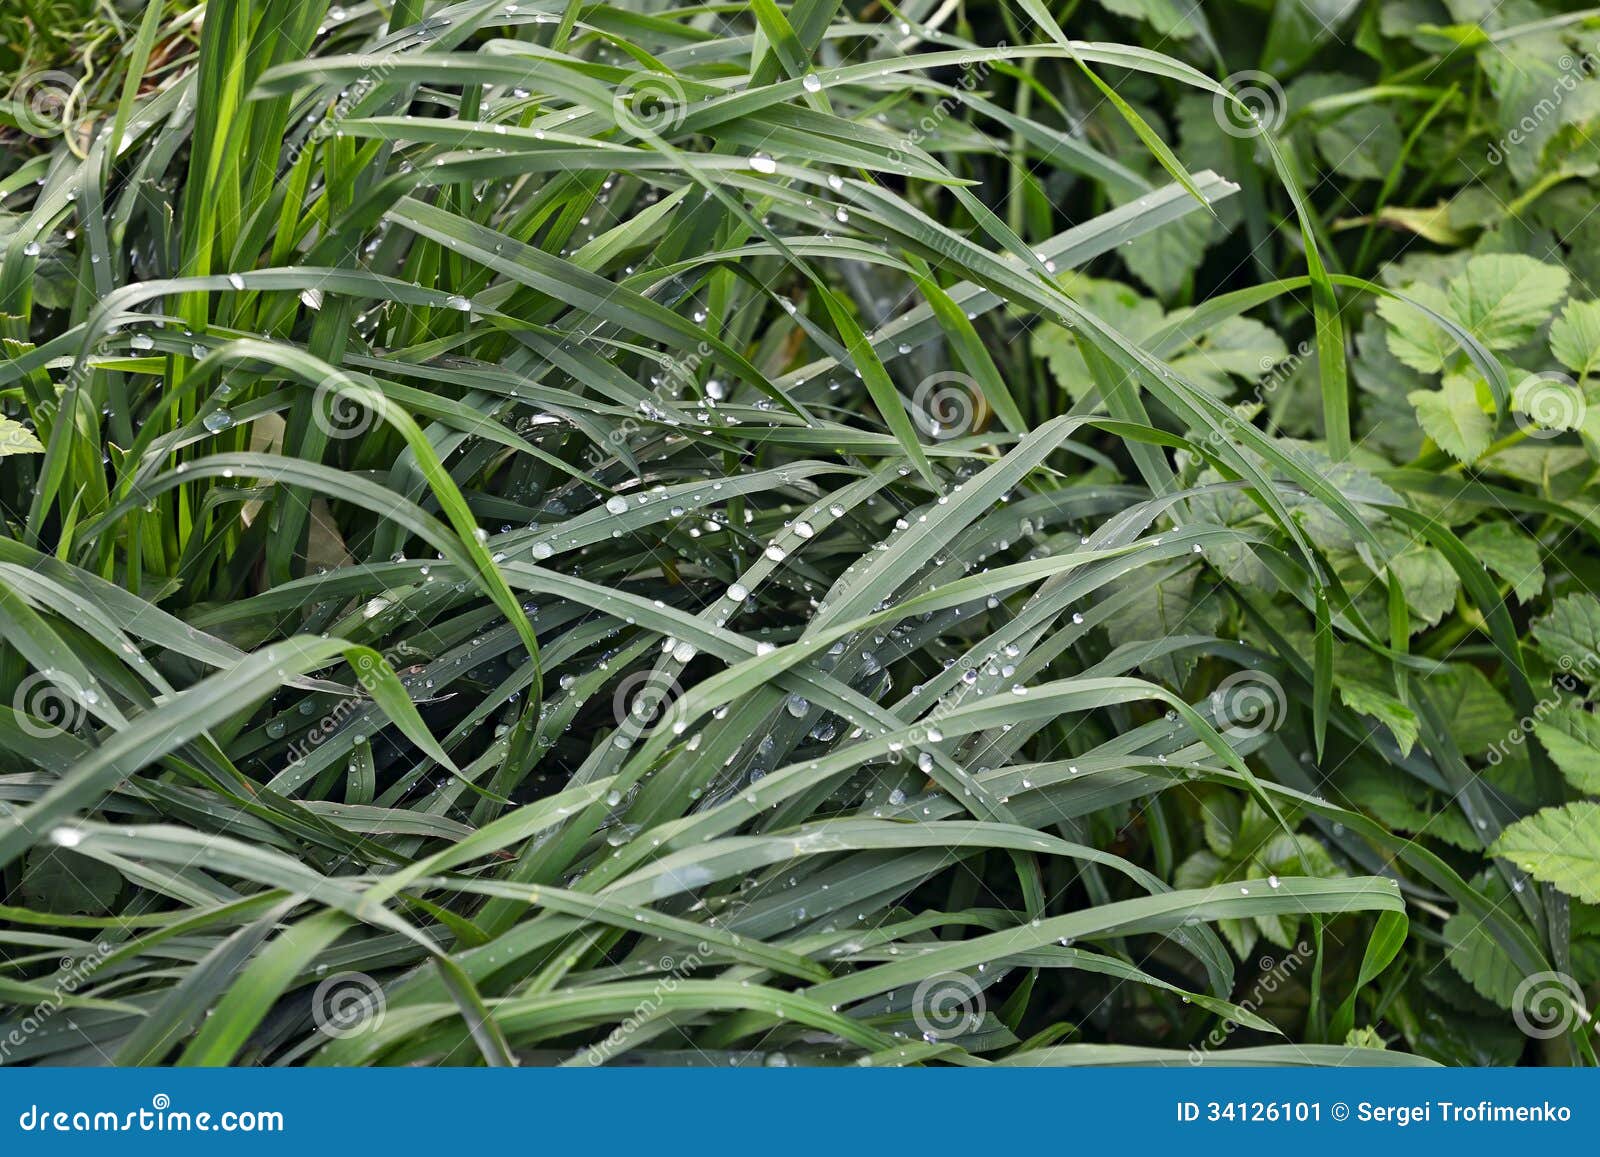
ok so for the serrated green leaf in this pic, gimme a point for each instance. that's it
(1365, 699)
(1572, 737)
(1413, 339)
(1167, 17)
(1453, 418)
(15, 438)
(1504, 297)
(1475, 715)
(1474, 953)
(1575, 337)
(1569, 635)
(1509, 554)
(1559, 846)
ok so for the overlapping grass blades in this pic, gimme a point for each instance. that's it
(568, 372)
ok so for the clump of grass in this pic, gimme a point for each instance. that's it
(533, 533)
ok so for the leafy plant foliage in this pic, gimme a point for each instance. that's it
(953, 534)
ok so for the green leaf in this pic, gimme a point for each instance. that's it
(1572, 737)
(1167, 17)
(15, 438)
(1559, 846)
(1536, 88)
(63, 881)
(1366, 699)
(1388, 937)
(1475, 715)
(1510, 554)
(1296, 29)
(1147, 136)
(1504, 297)
(1238, 348)
(1473, 952)
(1575, 337)
(1428, 582)
(1413, 339)
(1361, 141)
(1569, 635)
(1453, 418)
